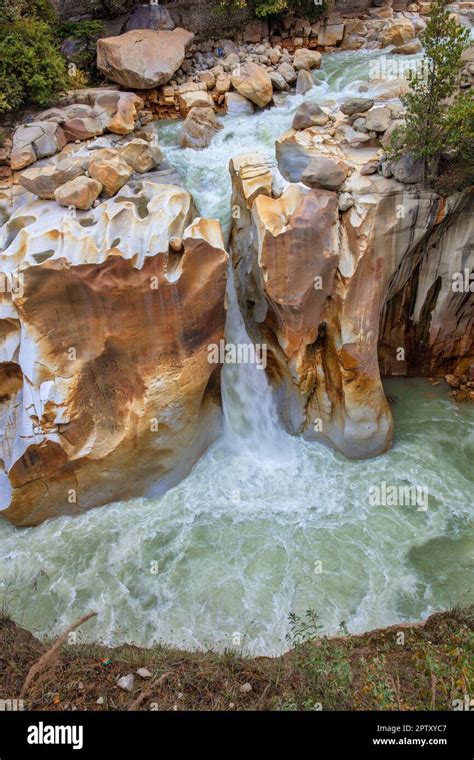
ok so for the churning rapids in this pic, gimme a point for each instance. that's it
(222, 558)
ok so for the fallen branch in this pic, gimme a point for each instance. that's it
(146, 692)
(48, 656)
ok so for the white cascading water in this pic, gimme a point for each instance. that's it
(251, 420)
(239, 543)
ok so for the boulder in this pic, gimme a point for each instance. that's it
(356, 105)
(197, 99)
(34, 141)
(395, 124)
(199, 127)
(118, 111)
(80, 192)
(409, 48)
(348, 136)
(309, 115)
(82, 128)
(324, 172)
(141, 156)
(279, 83)
(397, 33)
(237, 104)
(407, 169)
(142, 59)
(109, 168)
(330, 34)
(287, 72)
(306, 59)
(378, 119)
(208, 79)
(252, 81)
(150, 16)
(304, 82)
(369, 168)
(223, 83)
(389, 89)
(44, 181)
(353, 42)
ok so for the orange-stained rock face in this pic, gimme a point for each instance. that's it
(316, 283)
(324, 369)
(106, 389)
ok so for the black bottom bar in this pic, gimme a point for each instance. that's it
(134, 735)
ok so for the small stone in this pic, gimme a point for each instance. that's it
(143, 673)
(100, 701)
(126, 682)
(245, 688)
(370, 168)
(346, 201)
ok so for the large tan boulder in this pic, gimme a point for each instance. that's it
(109, 168)
(253, 82)
(409, 48)
(196, 99)
(141, 156)
(81, 193)
(199, 127)
(397, 33)
(143, 58)
(45, 180)
(306, 59)
(107, 391)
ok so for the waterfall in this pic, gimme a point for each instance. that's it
(250, 413)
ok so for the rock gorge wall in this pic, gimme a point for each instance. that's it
(106, 388)
(319, 283)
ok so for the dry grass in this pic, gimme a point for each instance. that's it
(372, 671)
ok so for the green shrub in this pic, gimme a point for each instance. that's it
(439, 116)
(32, 70)
(263, 8)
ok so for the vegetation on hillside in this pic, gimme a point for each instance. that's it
(32, 70)
(414, 667)
(439, 121)
(263, 8)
